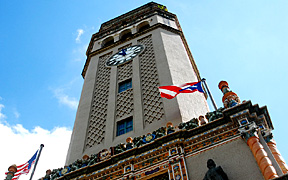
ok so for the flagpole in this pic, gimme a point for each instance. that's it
(210, 95)
(41, 146)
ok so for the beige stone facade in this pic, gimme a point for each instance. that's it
(164, 61)
(170, 139)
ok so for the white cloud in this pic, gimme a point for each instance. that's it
(80, 32)
(19, 144)
(64, 99)
(2, 116)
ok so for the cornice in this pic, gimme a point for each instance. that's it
(193, 141)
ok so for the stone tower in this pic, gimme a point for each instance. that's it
(127, 60)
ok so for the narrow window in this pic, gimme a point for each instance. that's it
(124, 126)
(124, 85)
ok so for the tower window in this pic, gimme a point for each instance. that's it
(108, 41)
(124, 85)
(124, 126)
(144, 25)
(125, 34)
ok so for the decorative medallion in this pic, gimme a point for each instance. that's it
(243, 122)
(173, 151)
(128, 169)
(64, 171)
(148, 138)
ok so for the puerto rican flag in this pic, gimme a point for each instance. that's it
(24, 168)
(170, 92)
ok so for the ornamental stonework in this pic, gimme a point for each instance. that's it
(152, 102)
(124, 99)
(98, 113)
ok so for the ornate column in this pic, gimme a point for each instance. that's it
(272, 146)
(11, 171)
(249, 134)
(230, 98)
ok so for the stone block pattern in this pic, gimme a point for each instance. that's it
(98, 114)
(152, 102)
(124, 99)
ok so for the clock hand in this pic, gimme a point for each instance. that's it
(123, 52)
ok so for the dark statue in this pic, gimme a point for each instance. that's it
(55, 173)
(159, 132)
(78, 163)
(129, 145)
(93, 159)
(73, 166)
(193, 123)
(170, 129)
(211, 116)
(214, 173)
(138, 141)
(120, 148)
(47, 176)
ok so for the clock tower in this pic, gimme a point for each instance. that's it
(127, 60)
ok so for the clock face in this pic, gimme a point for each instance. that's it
(124, 55)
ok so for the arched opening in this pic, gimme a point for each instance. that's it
(142, 26)
(108, 41)
(125, 34)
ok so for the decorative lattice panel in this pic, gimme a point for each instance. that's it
(152, 102)
(97, 121)
(124, 71)
(125, 98)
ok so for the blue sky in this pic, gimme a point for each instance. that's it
(42, 53)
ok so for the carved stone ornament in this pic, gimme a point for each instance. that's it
(105, 154)
(211, 116)
(248, 130)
